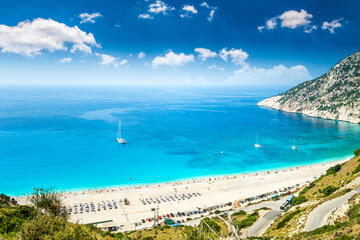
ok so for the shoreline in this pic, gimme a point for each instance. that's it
(137, 185)
(131, 207)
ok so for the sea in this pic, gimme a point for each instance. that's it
(64, 137)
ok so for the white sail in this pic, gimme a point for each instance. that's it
(119, 130)
(257, 145)
(118, 137)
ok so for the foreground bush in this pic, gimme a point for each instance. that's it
(12, 218)
(56, 228)
(48, 201)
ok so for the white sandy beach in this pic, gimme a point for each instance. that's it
(204, 193)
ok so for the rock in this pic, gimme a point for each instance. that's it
(335, 95)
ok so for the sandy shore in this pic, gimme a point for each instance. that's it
(182, 196)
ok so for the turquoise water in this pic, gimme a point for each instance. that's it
(65, 137)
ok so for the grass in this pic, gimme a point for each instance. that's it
(287, 218)
(335, 178)
(298, 200)
(248, 221)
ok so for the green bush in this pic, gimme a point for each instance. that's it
(354, 212)
(357, 169)
(329, 190)
(239, 213)
(357, 152)
(148, 238)
(298, 200)
(49, 201)
(12, 219)
(55, 228)
(333, 170)
(248, 221)
(307, 188)
(328, 228)
(287, 218)
(212, 224)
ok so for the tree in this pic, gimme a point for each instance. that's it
(48, 201)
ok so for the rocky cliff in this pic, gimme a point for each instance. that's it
(335, 95)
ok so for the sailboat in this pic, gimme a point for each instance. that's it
(257, 145)
(118, 137)
(293, 147)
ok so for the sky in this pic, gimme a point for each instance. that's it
(166, 42)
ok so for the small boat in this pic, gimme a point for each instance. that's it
(257, 145)
(118, 138)
(293, 147)
(221, 152)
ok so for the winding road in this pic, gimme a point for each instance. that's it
(263, 223)
(317, 218)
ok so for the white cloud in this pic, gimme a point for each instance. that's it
(331, 26)
(212, 10)
(159, 7)
(293, 19)
(213, 66)
(211, 14)
(31, 38)
(86, 17)
(310, 29)
(172, 59)
(276, 75)
(260, 28)
(205, 53)
(141, 55)
(110, 60)
(271, 23)
(204, 4)
(238, 56)
(117, 25)
(190, 8)
(65, 60)
(145, 16)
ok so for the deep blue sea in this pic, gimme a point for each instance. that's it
(64, 137)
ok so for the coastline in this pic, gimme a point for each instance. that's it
(184, 195)
(197, 178)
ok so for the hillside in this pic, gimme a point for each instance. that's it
(335, 95)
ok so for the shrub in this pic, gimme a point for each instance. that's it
(239, 213)
(354, 212)
(357, 152)
(333, 170)
(55, 228)
(49, 201)
(357, 169)
(287, 218)
(328, 228)
(307, 188)
(248, 221)
(207, 222)
(12, 219)
(329, 190)
(298, 200)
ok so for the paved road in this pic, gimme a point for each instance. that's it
(263, 223)
(317, 218)
(259, 226)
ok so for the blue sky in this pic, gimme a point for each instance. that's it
(245, 43)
